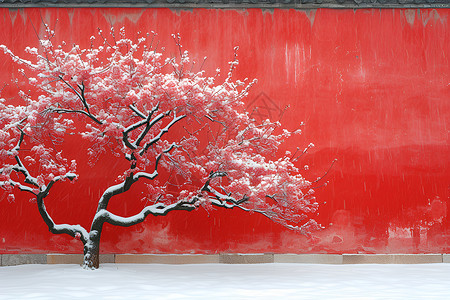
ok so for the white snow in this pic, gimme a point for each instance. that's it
(221, 281)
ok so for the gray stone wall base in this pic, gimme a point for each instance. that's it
(308, 258)
(391, 258)
(227, 258)
(76, 258)
(23, 259)
(246, 258)
(166, 259)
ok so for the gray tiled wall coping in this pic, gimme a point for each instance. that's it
(231, 4)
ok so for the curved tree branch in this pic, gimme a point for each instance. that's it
(62, 111)
(162, 132)
(82, 98)
(270, 215)
(137, 111)
(72, 230)
(158, 209)
(149, 124)
(19, 167)
(20, 186)
(115, 190)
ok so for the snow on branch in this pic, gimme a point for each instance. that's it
(149, 122)
(76, 231)
(158, 209)
(20, 186)
(162, 132)
(19, 167)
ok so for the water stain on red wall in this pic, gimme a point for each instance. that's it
(371, 86)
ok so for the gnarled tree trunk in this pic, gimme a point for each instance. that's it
(92, 250)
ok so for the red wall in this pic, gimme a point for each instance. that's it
(371, 86)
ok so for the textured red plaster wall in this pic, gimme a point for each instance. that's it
(371, 86)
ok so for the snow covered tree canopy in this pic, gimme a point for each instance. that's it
(160, 115)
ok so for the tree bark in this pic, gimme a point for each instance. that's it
(92, 251)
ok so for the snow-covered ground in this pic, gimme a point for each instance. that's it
(221, 281)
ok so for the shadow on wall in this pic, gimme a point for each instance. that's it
(347, 232)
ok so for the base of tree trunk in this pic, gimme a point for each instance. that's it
(91, 257)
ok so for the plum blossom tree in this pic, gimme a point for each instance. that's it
(159, 116)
